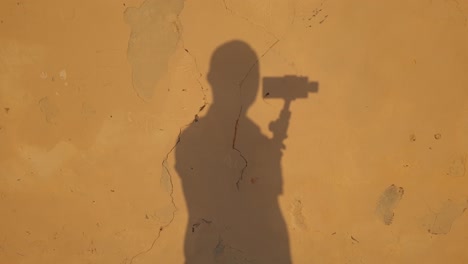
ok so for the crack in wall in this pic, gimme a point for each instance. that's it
(236, 126)
(241, 177)
(225, 253)
(164, 163)
(148, 250)
(229, 10)
(171, 194)
(205, 102)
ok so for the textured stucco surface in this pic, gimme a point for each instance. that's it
(94, 96)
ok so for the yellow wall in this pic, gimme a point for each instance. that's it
(94, 95)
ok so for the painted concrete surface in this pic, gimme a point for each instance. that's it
(226, 131)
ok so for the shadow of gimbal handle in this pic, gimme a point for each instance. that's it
(288, 88)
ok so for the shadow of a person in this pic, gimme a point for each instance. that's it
(231, 172)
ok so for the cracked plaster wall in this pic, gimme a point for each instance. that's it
(93, 96)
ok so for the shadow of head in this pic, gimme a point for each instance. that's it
(234, 73)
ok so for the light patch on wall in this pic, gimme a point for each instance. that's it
(14, 56)
(109, 136)
(46, 162)
(155, 33)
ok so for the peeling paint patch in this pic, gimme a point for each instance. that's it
(63, 75)
(43, 75)
(200, 222)
(458, 167)
(49, 110)
(388, 202)
(296, 212)
(155, 32)
(441, 222)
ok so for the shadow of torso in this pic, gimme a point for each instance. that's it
(231, 178)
